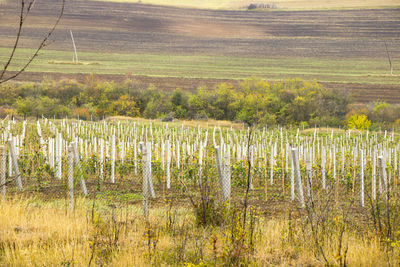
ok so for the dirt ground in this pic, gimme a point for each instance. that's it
(137, 28)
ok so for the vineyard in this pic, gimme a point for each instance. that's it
(192, 133)
(202, 195)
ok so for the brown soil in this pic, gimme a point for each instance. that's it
(138, 28)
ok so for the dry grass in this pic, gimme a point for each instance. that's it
(34, 233)
(61, 62)
(192, 123)
(37, 233)
(325, 130)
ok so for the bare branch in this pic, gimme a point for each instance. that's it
(21, 22)
(41, 46)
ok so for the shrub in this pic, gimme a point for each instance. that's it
(359, 122)
(82, 113)
(7, 111)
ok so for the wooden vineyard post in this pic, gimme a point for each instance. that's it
(14, 163)
(71, 177)
(298, 177)
(3, 170)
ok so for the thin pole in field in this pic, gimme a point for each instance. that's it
(58, 155)
(75, 58)
(71, 177)
(323, 174)
(373, 175)
(309, 175)
(145, 185)
(78, 164)
(14, 163)
(362, 178)
(292, 178)
(112, 159)
(298, 177)
(168, 175)
(382, 166)
(3, 170)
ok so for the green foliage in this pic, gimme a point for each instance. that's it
(253, 101)
(123, 106)
(359, 122)
(384, 112)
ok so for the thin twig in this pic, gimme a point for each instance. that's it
(41, 46)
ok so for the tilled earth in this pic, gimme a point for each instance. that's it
(137, 28)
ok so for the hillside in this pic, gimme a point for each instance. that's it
(269, 5)
(340, 48)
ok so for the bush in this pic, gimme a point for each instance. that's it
(358, 122)
(252, 6)
(6, 110)
(82, 113)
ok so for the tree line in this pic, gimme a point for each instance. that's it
(287, 102)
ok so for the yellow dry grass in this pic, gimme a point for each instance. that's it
(37, 233)
(61, 62)
(324, 130)
(191, 123)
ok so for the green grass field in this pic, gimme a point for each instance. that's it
(161, 65)
(280, 4)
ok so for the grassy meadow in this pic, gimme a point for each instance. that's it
(190, 224)
(372, 71)
(45, 233)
